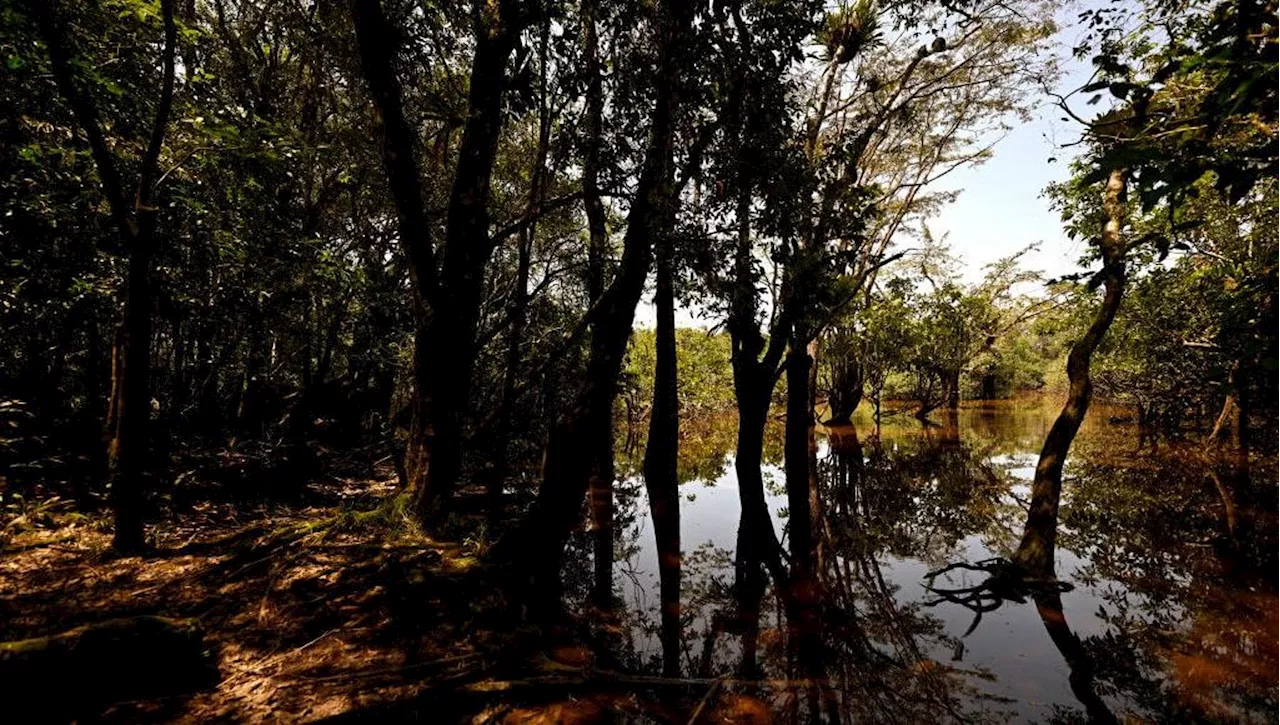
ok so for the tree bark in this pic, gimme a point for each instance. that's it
(127, 454)
(448, 299)
(1035, 554)
(802, 595)
(660, 461)
(951, 383)
(847, 384)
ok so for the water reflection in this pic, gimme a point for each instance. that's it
(1171, 560)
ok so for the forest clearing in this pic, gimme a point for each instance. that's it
(645, 361)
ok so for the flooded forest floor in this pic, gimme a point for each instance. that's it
(328, 609)
(332, 607)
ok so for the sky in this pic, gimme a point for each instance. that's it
(1001, 207)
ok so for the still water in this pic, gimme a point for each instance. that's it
(1170, 555)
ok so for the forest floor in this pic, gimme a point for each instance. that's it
(327, 609)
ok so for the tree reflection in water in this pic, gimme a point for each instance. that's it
(1172, 560)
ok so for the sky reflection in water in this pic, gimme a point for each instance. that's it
(1172, 558)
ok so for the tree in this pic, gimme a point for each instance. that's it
(447, 281)
(135, 221)
(537, 544)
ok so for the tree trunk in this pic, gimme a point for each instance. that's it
(135, 224)
(592, 132)
(1229, 427)
(755, 528)
(249, 407)
(951, 384)
(433, 458)
(466, 253)
(601, 483)
(811, 384)
(989, 386)
(518, 310)
(660, 460)
(846, 391)
(802, 597)
(796, 459)
(600, 505)
(448, 298)
(1035, 554)
(127, 456)
(538, 543)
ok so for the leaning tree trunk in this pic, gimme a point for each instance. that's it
(1035, 554)
(660, 461)
(537, 545)
(1229, 427)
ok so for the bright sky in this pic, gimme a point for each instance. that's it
(1001, 208)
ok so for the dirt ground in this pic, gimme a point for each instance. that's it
(328, 609)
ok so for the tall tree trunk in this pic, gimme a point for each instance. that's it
(1035, 554)
(754, 374)
(601, 451)
(466, 253)
(538, 543)
(518, 309)
(796, 458)
(802, 598)
(135, 222)
(127, 458)
(449, 298)
(660, 460)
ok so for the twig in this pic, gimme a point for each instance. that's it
(702, 704)
(390, 670)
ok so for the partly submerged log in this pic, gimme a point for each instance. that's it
(97, 665)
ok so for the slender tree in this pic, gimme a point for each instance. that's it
(538, 543)
(136, 222)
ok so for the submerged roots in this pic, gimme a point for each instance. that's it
(1005, 581)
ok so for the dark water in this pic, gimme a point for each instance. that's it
(1171, 556)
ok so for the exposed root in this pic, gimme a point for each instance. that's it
(1005, 582)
